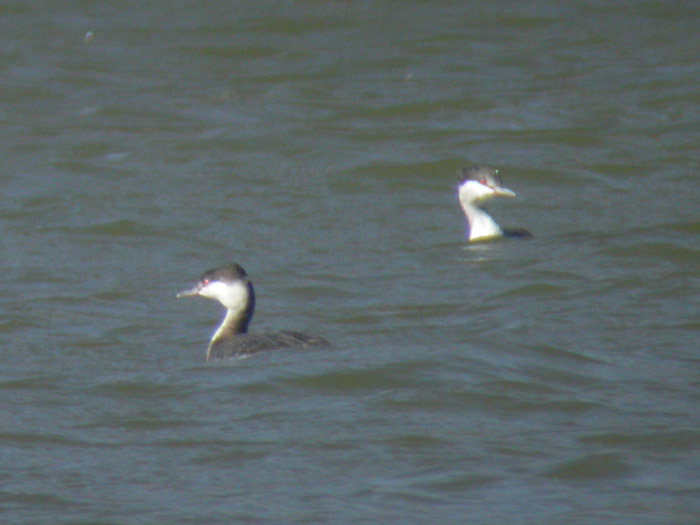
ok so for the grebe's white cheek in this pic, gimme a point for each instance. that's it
(234, 296)
(213, 290)
(472, 191)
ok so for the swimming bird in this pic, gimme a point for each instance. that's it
(477, 186)
(230, 286)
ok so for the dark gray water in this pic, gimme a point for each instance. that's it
(553, 380)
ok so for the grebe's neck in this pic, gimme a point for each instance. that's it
(481, 225)
(239, 312)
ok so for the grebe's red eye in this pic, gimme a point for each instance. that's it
(483, 181)
(205, 282)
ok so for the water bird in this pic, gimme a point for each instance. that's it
(230, 286)
(477, 186)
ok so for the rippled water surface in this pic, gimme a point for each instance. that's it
(551, 380)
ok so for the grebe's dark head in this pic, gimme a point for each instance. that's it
(227, 284)
(479, 184)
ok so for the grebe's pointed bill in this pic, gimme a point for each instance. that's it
(192, 292)
(500, 191)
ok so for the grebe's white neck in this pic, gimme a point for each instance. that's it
(239, 299)
(481, 224)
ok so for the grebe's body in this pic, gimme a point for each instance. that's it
(231, 287)
(477, 186)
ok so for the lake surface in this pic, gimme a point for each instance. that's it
(551, 380)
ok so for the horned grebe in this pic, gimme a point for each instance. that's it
(477, 186)
(231, 287)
